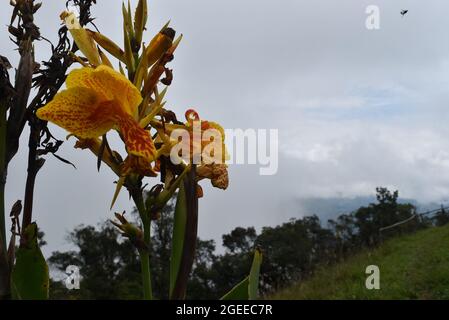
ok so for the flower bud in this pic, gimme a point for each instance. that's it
(82, 38)
(159, 45)
(108, 45)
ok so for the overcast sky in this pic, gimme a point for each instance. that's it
(355, 108)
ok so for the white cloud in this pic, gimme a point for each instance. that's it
(355, 108)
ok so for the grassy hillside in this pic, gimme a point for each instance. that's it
(411, 267)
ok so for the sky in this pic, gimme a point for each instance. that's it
(355, 108)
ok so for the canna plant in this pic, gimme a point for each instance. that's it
(117, 90)
(23, 271)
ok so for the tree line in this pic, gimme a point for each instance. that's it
(109, 265)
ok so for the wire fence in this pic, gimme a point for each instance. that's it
(416, 215)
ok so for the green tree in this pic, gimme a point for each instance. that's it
(293, 250)
(109, 264)
(240, 240)
(441, 218)
(109, 268)
(386, 212)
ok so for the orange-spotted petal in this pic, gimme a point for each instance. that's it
(138, 140)
(81, 111)
(206, 125)
(108, 83)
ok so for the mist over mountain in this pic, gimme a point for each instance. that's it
(330, 208)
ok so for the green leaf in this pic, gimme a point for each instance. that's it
(253, 286)
(128, 34)
(122, 71)
(140, 19)
(121, 181)
(127, 20)
(248, 288)
(239, 292)
(30, 276)
(179, 229)
(163, 197)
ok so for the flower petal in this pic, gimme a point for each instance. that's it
(80, 111)
(138, 140)
(138, 165)
(217, 173)
(110, 84)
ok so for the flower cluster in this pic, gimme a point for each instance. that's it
(116, 90)
(99, 99)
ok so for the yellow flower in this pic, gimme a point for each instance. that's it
(217, 131)
(217, 173)
(212, 165)
(96, 101)
(202, 141)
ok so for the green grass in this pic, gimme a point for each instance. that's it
(411, 267)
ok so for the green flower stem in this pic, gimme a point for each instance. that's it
(144, 254)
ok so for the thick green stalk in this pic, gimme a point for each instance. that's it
(190, 236)
(2, 174)
(144, 254)
(2, 216)
(145, 264)
(4, 267)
